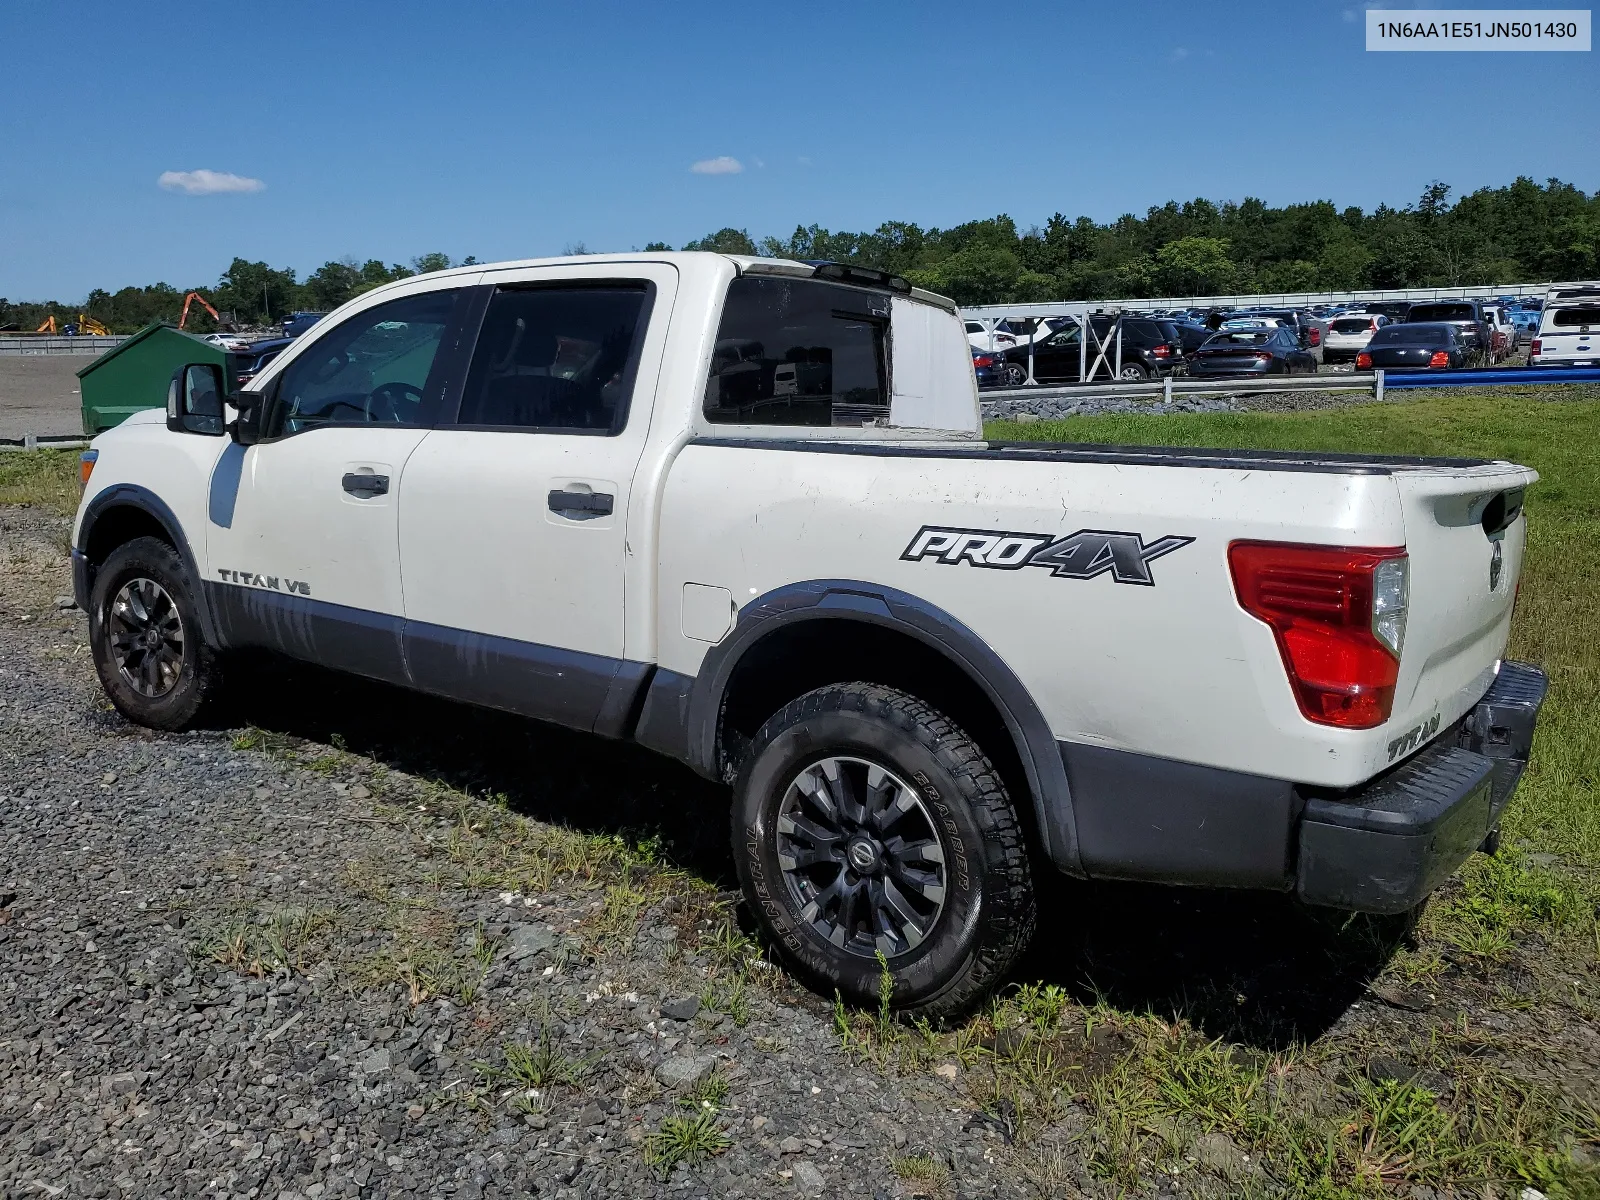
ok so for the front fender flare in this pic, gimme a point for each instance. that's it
(131, 495)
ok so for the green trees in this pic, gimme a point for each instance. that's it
(1525, 232)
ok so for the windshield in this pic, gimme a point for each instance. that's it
(1411, 335)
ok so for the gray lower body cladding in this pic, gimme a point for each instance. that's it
(1380, 848)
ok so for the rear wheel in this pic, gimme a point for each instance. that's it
(1133, 373)
(1016, 375)
(867, 826)
(144, 634)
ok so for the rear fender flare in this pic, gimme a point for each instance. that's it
(875, 604)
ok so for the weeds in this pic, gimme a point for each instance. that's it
(687, 1139)
(925, 1173)
(273, 942)
(540, 1066)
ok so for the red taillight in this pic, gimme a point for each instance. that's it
(1263, 357)
(1319, 602)
(1316, 336)
(1363, 359)
(1439, 359)
(1161, 351)
(1534, 349)
(982, 360)
(1372, 326)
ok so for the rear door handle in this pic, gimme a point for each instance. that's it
(364, 487)
(594, 504)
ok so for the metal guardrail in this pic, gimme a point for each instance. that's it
(1353, 381)
(30, 344)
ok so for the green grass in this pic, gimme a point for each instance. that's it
(1554, 430)
(45, 478)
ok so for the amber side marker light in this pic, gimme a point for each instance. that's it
(86, 462)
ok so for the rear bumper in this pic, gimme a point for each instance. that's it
(1384, 848)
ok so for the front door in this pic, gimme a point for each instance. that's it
(302, 551)
(514, 513)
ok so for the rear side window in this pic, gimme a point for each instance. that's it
(1571, 318)
(799, 352)
(558, 358)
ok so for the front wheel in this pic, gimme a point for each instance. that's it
(1016, 375)
(144, 634)
(868, 826)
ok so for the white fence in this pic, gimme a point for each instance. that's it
(39, 343)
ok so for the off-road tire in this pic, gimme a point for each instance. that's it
(199, 675)
(989, 913)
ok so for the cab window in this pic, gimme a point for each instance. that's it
(377, 368)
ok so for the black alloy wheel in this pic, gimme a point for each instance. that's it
(146, 632)
(874, 836)
(860, 857)
(146, 636)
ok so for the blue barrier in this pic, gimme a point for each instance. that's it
(1489, 377)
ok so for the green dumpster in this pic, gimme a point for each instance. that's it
(134, 375)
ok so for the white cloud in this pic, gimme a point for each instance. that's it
(721, 165)
(1179, 54)
(208, 183)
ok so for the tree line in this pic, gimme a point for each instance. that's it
(1524, 232)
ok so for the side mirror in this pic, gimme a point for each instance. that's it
(194, 399)
(246, 430)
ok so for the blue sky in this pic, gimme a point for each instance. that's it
(505, 130)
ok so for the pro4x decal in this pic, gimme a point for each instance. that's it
(1082, 555)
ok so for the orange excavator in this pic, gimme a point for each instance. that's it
(49, 325)
(204, 303)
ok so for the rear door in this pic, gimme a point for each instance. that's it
(514, 511)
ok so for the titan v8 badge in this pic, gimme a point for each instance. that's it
(1082, 555)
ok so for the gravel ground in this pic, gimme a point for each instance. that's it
(39, 394)
(134, 1062)
(315, 952)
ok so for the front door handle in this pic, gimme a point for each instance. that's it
(592, 504)
(364, 487)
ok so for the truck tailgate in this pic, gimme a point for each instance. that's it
(1465, 535)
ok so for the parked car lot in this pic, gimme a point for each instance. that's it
(1349, 334)
(1245, 352)
(1412, 347)
(1148, 352)
(1473, 333)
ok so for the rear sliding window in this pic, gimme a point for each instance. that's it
(1571, 318)
(799, 352)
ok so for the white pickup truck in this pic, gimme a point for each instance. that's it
(741, 511)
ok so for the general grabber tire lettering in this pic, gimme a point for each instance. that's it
(865, 822)
(145, 635)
